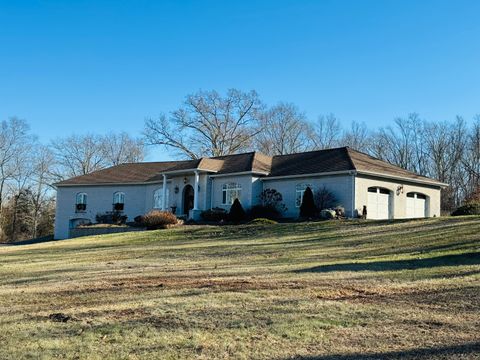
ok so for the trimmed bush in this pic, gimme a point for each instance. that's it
(114, 217)
(215, 214)
(308, 208)
(263, 221)
(156, 219)
(237, 214)
(472, 208)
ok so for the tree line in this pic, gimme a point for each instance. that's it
(211, 124)
(208, 123)
(29, 170)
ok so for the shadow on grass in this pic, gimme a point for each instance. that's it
(464, 351)
(472, 258)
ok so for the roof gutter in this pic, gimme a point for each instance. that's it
(343, 172)
(112, 184)
(402, 178)
(240, 173)
(186, 171)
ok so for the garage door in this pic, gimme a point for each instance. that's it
(416, 205)
(378, 205)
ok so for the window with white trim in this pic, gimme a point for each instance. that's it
(299, 191)
(230, 192)
(81, 202)
(118, 200)
(158, 198)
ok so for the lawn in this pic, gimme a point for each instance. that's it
(319, 290)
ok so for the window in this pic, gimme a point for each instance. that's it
(378, 190)
(81, 202)
(158, 198)
(230, 192)
(299, 191)
(118, 201)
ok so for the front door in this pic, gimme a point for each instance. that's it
(188, 195)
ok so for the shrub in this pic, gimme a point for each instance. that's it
(324, 199)
(474, 196)
(263, 221)
(307, 208)
(472, 208)
(215, 214)
(237, 214)
(114, 217)
(271, 198)
(156, 219)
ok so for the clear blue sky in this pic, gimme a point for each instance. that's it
(79, 66)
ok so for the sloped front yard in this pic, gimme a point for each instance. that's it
(329, 290)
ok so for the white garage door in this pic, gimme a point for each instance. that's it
(416, 205)
(378, 205)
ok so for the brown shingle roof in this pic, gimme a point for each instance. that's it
(312, 162)
(125, 173)
(365, 162)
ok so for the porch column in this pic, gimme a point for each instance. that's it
(164, 193)
(195, 192)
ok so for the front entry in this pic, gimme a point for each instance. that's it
(188, 195)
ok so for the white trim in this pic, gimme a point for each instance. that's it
(405, 179)
(164, 193)
(192, 170)
(114, 184)
(195, 191)
(353, 197)
(240, 173)
(343, 172)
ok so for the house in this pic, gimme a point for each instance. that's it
(189, 187)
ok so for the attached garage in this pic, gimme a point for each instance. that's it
(378, 203)
(416, 205)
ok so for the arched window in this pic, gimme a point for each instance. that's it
(299, 191)
(158, 198)
(118, 200)
(81, 202)
(230, 192)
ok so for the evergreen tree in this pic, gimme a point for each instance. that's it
(308, 208)
(237, 214)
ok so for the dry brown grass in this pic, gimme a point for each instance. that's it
(329, 290)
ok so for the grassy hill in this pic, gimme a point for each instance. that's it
(326, 290)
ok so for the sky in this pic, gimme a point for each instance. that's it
(104, 66)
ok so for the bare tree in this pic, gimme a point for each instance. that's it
(471, 159)
(41, 186)
(446, 144)
(327, 131)
(208, 124)
(15, 141)
(283, 129)
(357, 137)
(122, 148)
(78, 155)
(402, 144)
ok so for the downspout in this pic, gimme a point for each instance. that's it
(353, 195)
(211, 192)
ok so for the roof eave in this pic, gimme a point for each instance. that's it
(329, 173)
(398, 177)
